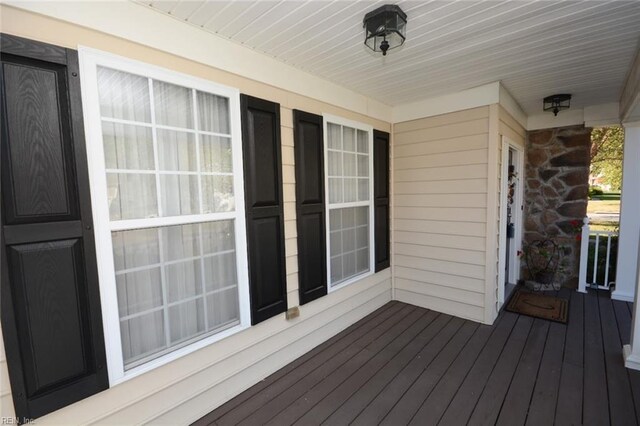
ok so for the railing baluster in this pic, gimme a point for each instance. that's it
(606, 271)
(584, 255)
(595, 260)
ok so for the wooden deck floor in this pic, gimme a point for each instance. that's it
(407, 365)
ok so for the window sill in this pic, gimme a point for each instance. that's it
(350, 281)
(177, 354)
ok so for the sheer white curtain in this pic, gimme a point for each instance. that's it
(168, 153)
(348, 175)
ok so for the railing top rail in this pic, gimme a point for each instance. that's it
(600, 232)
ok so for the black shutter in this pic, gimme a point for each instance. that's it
(381, 198)
(310, 205)
(264, 206)
(51, 317)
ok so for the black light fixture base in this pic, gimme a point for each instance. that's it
(385, 28)
(556, 103)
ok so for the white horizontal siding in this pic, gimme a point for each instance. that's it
(441, 227)
(440, 212)
(474, 171)
(451, 307)
(441, 240)
(454, 268)
(453, 214)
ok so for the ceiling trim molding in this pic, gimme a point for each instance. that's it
(142, 25)
(591, 116)
(466, 99)
(602, 115)
(546, 120)
(630, 98)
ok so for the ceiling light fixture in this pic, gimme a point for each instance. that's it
(557, 103)
(385, 28)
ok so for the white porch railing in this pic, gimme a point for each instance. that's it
(590, 244)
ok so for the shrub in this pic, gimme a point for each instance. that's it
(595, 191)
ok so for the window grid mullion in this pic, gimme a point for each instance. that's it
(173, 262)
(163, 279)
(167, 172)
(343, 162)
(163, 126)
(196, 123)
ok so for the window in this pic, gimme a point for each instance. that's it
(349, 195)
(167, 192)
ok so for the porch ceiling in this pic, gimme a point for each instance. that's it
(535, 48)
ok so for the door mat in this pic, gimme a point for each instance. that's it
(539, 306)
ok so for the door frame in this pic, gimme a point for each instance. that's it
(514, 270)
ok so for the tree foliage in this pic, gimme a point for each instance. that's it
(606, 154)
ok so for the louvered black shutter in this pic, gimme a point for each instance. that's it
(264, 206)
(51, 317)
(310, 205)
(381, 198)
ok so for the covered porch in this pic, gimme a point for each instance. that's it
(392, 205)
(408, 365)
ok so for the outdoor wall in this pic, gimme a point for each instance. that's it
(557, 173)
(184, 390)
(440, 212)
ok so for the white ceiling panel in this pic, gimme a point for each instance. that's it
(536, 48)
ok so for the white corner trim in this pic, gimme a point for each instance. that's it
(508, 102)
(142, 25)
(624, 297)
(630, 361)
(466, 99)
(630, 97)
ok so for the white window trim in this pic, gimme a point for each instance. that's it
(329, 118)
(90, 59)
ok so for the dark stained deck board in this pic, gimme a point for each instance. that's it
(518, 398)
(325, 401)
(623, 320)
(596, 411)
(361, 397)
(464, 401)
(403, 364)
(570, 392)
(379, 337)
(372, 329)
(384, 402)
(545, 394)
(618, 384)
(488, 406)
(411, 401)
(438, 400)
(341, 340)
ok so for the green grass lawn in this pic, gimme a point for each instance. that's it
(604, 206)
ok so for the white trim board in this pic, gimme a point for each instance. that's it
(142, 25)
(466, 99)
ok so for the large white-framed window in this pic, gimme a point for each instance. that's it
(165, 166)
(348, 153)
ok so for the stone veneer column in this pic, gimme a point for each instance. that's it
(556, 188)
